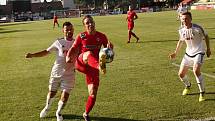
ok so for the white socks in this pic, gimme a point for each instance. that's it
(185, 81)
(200, 83)
(48, 102)
(61, 105)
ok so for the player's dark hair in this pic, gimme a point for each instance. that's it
(67, 24)
(87, 16)
(188, 13)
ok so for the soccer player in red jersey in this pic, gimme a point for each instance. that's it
(131, 16)
(90, 61)
(55, 21)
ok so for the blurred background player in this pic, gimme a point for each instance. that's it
(182, 8)
(195, 38)
(62, 74)
(55, 21)
(90, 61)
(131, 16)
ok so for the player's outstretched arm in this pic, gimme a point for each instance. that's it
(178, 47)
(208, 52)
(37, 54)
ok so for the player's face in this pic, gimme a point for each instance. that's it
(68, 32)
(89, 25)
(186, 20)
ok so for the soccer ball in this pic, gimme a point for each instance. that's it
(109, 54)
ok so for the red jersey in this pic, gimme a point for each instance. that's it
(86, 42)
(131, 15)
(55, 18)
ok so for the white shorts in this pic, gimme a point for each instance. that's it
(66, 83)
(191, 60)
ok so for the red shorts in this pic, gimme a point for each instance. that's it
(130, 25)
(90, 70)
(55, 21)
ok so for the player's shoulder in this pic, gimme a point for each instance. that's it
(196, 26)
(100, 33)
(60, 39)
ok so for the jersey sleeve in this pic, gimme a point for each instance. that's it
(52, 47)
(203, 31)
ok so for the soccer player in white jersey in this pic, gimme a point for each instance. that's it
(62, 74)
(195, 38)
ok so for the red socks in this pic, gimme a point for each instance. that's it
(90, 103)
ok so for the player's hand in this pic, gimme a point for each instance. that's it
(109, 45)
(208, 52)
(28, 55)
(172, 56)
(68, 59)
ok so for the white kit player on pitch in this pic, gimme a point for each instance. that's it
(195, 38)
(62, 74)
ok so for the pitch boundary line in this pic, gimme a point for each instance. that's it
(208, 75)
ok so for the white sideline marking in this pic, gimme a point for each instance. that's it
(208, 75)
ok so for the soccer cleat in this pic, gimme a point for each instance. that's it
(86, 117)
(43, 113)
(186, 91)
(59, 117)
(201, 97)
(102, 62)
(128, 41)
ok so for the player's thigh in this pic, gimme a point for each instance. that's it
(67, 83)
(185, 63)
(54, 83)
(198, 61)
(130, 26)
(80, 65)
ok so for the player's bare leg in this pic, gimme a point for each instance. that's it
(182, 75)
(134, 35)
(129, 36)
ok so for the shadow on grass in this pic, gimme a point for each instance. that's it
(11, 24)
(210, 28)
(207, 93)
(12, 31)
(196, 93)
(70, 116)
(212, 38)
(174, 40)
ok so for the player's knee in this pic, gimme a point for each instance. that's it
(64, 96)
(93, 96)
(52, 93)
(85, 56)
(181, 75)
(197, 73)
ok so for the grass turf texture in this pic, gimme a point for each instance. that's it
(140, 84)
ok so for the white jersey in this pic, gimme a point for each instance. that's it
(194, 38)
(60, 67)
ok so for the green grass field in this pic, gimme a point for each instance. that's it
(141, 83)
